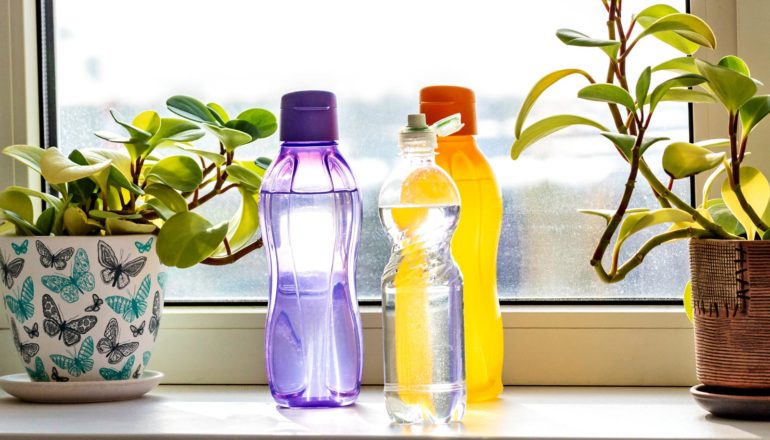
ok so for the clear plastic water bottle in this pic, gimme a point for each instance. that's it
(422, 288)
(310, 214)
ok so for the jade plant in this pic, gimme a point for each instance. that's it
(152, 185)
(737, 210)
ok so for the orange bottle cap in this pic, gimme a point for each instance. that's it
(438, 102)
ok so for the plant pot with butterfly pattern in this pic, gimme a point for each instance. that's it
(83, 280)
(83, 308)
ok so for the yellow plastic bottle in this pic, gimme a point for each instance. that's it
(475, 242)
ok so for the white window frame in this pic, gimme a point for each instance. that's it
(544, 345)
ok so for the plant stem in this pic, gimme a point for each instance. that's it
(242, 252)
(735, 177)
(614, 222)
(648, 246)
(661, 189)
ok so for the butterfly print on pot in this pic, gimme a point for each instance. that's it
(56, 377)
(68, 330)
(155, 319)
(123, 374)
(21, 248)
(79, 363)
(135, 305)
(110, 346)
(10, 270)
(27, 350)
(144, 247)
(138, 331)
(38, 374)
(58, 260)
(97, 305)
(115, 272)
(33, 332)
(81, 281)
(21, 305)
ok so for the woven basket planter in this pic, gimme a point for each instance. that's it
(731, 305)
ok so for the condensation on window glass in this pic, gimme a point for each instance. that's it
(132, 55)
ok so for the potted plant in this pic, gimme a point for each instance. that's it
(728, 230)
(83, 281)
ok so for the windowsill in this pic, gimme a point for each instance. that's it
(175, 411)
(583, 345)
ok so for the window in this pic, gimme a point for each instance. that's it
(132, 55)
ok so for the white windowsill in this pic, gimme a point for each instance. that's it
(244, 412)
(544, 345)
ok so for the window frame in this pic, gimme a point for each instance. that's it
(547, 343)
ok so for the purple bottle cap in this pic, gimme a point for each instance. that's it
(309, 115)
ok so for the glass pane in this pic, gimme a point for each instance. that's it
(132, 55)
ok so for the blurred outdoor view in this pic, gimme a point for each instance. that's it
(132, 55)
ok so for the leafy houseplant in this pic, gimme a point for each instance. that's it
(133, 191)
(735, 222)
(131, 210)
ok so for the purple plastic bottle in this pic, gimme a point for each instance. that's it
(310, 213)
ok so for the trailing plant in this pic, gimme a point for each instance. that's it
(151, 186)
(741, 210)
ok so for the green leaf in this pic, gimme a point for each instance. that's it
(607, 93)
(244, 224)
(159, 207)
(179, 172)
(118, 226)
(684, 32)
(732, 89)
(756, 190)
(752, 112)
(27, 154)
(263, 163)
(148, 121)
(48, 198)
(687, 300)
(45, 220)
(709, 183)
(638, 221)
(76, 222)
(216, 158)
(681, 65)
(57, 168)
(120, 174)
(683, 159)
(643, 86)
(722, 216)
(23, 227)
(607, 214)
(713, 143)
(548, 126)
(135, 134)
(186, 239)
(219, 111)
(168, 196)
(17, 202)
(248, 178)
(541, 86)
(104, 215)
(735, 64)
(262, 119)
(766, 235)
(574, 38)
(192, 109)
(688, 95)
(687, 80)
(230, 138)
(175, 130)
(625, 143)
